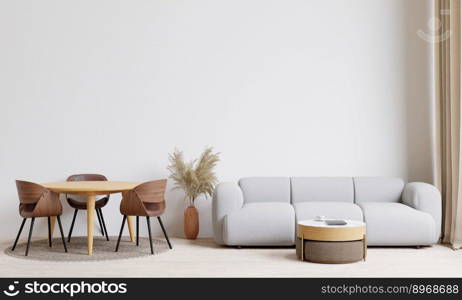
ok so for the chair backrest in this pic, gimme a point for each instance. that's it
(87, 177)
(40, 201)
(151, 191)
(29, 192)
(136, 201)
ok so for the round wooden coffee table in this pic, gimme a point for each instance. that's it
(332, 244)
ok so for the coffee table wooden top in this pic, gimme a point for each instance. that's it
(90, 187)
(318, 230)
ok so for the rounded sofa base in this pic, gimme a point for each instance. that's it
(331, 252)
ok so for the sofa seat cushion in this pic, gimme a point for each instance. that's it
(260, 224)
(331, 210)
(396, 224)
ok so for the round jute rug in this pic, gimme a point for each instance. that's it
(77, 249)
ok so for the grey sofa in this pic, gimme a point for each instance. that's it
(263, 211)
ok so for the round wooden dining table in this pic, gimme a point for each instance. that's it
(90, 189)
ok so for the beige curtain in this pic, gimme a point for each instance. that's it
(448, 117)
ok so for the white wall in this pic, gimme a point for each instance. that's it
(286, 87)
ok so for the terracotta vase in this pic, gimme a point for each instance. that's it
(191, 222)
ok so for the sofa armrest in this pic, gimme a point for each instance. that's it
(427, 198)
(227, 198)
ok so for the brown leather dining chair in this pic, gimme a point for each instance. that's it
(82, 205)
(147, 200)
(35, 201)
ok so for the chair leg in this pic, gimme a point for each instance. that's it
(148, 221)
(104, 223)
(165, 232)
(30, 235)
(62, 233)
(19, 234)
(99, 222)
(120, 234)
(137, 230)
(49, 232)
(72, 226)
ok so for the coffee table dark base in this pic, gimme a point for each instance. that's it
(332, 252)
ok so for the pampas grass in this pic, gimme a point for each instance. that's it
(196, 177)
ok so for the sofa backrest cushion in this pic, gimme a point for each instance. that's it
(265, 189)
(322, 189)
(378, 189)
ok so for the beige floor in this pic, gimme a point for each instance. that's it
(202, 258)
